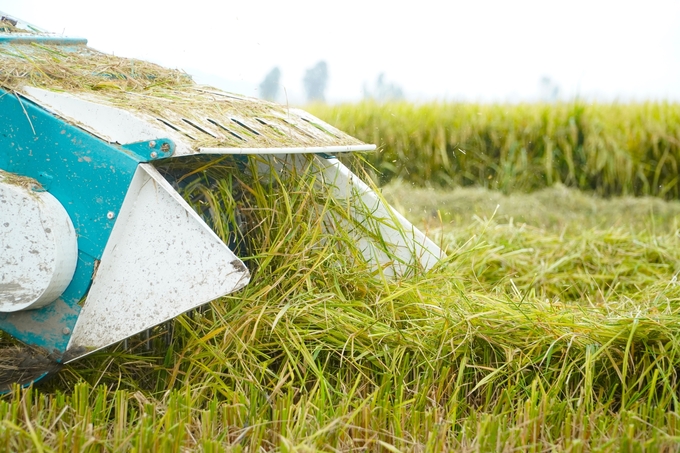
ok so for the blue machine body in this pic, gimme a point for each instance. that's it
(90, 178)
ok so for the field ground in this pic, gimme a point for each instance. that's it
(552, 326)
(552, 209)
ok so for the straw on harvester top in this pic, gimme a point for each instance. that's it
(168, 98)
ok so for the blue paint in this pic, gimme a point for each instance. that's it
(151, 150)
(89, 177)
(45, 326)
(41, 39)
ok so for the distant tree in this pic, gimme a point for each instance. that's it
(548, 89)
(269, 88)
(383, 90)
(315, 82)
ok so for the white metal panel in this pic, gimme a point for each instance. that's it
(407, 245)
(111, 124)
(401, 247)
(160, 261)
(291, 150)
(116, 125)
(38, 246)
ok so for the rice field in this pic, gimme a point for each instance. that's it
(550, 326)
(609, 149)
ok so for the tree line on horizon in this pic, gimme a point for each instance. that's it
(315, 83)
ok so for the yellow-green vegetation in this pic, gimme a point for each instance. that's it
(543, 330)
(611, 149)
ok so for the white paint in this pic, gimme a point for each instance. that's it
(117, 125)
(160, 261)
(111, 124)
(290, 150)
(402, 248)
(38, 246)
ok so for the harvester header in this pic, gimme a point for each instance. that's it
(96, 242)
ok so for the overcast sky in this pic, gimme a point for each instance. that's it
(492, 50)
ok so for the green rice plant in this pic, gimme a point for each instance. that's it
(611, 149)
(510, 343)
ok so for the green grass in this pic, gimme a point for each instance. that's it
(550, 328)
(610, 149)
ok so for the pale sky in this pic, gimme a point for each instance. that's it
(489, 51)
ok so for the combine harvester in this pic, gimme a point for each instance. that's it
(96, 243)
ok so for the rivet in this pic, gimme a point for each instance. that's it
(154, 154)
(66, 331)
(152, 144)
(110, 215)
